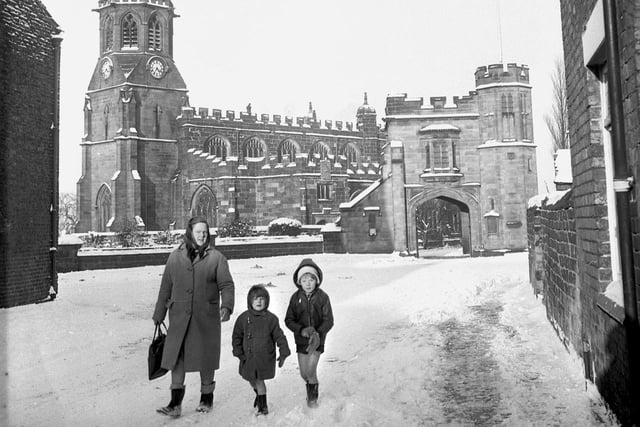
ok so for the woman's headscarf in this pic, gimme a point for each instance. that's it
(190, 242)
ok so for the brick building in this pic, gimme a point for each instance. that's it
(585, 254)
(29, 162)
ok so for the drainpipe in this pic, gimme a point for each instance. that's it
(622, 186)
(55, 202)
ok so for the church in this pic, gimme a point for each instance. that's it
(150, 158)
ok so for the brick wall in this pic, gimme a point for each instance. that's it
(28, 180)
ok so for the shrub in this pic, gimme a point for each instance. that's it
(128, 237)
(235, 229)
(284, 227)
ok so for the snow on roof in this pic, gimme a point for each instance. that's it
(350, 204)
(396, 143)
(439, 127)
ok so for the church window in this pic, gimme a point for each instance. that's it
(106, 122)
(129, 32)
(508, 118)
(108, 34)
(324, 191)
(287, 151)
(319, 151)
(216, 146)
(352, 154)
(254, 148)
(204, 204)
(103, 207)
(155, 34)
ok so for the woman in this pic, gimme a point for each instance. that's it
(195, 279)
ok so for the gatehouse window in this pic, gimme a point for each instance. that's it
(108, 34)
(155, 34)
(129, 32)
(440, 155)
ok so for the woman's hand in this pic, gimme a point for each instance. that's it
(224, 314)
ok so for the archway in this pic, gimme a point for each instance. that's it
(103, 208)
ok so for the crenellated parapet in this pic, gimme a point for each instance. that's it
(217, 116)
(498, 73)
(166, 3)
(400, 104)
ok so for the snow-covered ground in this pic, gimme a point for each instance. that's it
(416, 342)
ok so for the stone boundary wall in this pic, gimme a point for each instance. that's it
(70, 259)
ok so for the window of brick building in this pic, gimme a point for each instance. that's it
(319, 151)
(129, 32)
(324, 191)
(352, 155)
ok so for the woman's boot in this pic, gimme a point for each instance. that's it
(255, 401)
(206, 397)
(262, 405)
(174, 408)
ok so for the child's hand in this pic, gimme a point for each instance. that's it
(314, 342)
(307, 332)
(281, 360)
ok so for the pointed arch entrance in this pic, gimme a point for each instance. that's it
(441, 215)
(204, 203)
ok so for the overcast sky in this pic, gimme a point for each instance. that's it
(281, 54)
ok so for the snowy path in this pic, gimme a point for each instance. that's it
(416, 342)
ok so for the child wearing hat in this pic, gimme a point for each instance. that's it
(310, 317)
(255, 334)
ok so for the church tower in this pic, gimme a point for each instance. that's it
(129, 147)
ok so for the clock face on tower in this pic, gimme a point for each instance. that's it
(157, 67)
(105, 68)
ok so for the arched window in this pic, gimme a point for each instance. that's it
(103, 207)
(287, 151)
(106, 121)
(319, 151)
(155, 34)
(129, 32)
(216, 146)
(204, 204)
(253, 148)
(108, 34)
(352, 154)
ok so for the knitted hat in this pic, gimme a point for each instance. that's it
(308, 269)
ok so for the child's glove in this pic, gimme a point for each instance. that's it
(281, 360)
(314, 342)
(306, 332)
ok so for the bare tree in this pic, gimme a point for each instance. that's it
(557, 120)
(68, 213)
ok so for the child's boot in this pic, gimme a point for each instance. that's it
(312, 395)
(262, 404)
(206, 397)
(174, 408)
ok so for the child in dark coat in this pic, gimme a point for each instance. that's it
(310, 317)
(255, 334)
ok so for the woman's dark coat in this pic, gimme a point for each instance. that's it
(255, 335)
(314, 310)
(191, 292)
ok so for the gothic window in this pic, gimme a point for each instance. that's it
(129, 32)
(352, 154)
(524, 115)
(324, 191)
(319, 151)
(508, 118)
(287, 151)
(440, 155)
(155, 34)
(103, 207)
(108, 34)
(204, 204)
(253, 148)
(106, 122)
(216, 146)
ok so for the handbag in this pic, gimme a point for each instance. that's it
(155, 353)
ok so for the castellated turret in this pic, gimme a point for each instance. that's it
(497, 73)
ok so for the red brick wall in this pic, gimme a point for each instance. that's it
(27, 173)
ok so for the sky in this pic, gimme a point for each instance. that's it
(280, 55)
(405, 350)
